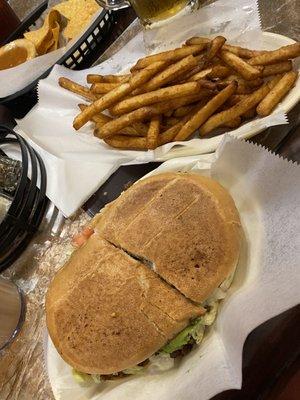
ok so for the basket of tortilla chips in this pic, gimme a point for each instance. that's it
(78, 26)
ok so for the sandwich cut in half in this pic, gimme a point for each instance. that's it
(145, 284)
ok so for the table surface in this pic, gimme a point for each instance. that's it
(271, 356)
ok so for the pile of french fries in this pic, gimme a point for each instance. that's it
(204, 85)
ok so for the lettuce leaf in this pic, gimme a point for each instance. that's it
(133, 371)
(184, 337)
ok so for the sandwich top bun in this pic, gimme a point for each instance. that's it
(186, 225)
(107, 312)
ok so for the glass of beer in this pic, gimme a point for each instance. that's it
(151, 11)
(11, 311)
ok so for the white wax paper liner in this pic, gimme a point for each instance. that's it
(266, 192)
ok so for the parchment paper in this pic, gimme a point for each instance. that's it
(266, 192)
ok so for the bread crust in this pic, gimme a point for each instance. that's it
(190, 230)
(107, 312)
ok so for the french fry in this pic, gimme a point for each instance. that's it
(99, 118)
(247, 71)
(250, 113)
(116, 125)
(237, 110)
(94, 78)
(197, 40)
(101, 88)
(219, 71)
(115, 78)
(167, 75)
(242, 52)
(275, 69)
(233, 124)
(239, 51)
(171, 121)
(282, 54)
(236, 98)
(203, 73)
(138, 79)
(267, 105)
(146, 113)
(168, 113)
(168, 56)
(138, 129)
(115, 95)
(127, 142)
(141, 128)
(169, 134)
(243, 87)
(101, 104)
(156, 96)
(76, 88)
(214, 47)
(182, 111)
(186, 76)
(254, 83)
(204, 113)
(153, 132)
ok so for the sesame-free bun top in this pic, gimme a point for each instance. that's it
(185, 224)
(106, 311)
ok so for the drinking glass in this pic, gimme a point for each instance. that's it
(11, 311)
(151, 11)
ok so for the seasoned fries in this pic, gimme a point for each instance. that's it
(169, 56)
(156, 96)
(277, 93)
(239, 109)
(76, 88)
(204, 85)
(153, 132)
(239, 65)
(215, 45)
(204, 113)
(101, 88)
(282, 54)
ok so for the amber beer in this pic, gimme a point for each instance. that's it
(151, 11)
(157, 10)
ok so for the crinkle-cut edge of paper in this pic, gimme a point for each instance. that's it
(230, 138)
(259, 14)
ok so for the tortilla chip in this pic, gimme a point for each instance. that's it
(52, 18)
(78, 13)
(43, 38)
(77, 9)
(40, 38)
(55, 32)
(74, 28)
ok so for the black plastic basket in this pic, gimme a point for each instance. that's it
(80, 56)
(28, 203)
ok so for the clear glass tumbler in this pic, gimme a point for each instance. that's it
(151, 11)
(12, 309)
